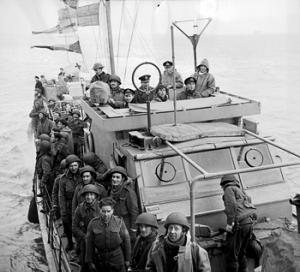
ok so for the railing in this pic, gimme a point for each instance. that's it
(54, 240)
(206, 175)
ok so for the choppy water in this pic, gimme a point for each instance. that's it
(265, 68)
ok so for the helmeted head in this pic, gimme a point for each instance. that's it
(146, 223)
(114, 81)
(44, 137)
(73, 163)
(106, 205)
(176, 225)
(118, 176)
(226, 179)
(61, 123)
(76, 114)
(90, 158)
(45, 147)
(97, 67)
(63, 164)
(90, 192)
(203, 67)
(87, 174)
(37, 92)
(36, 78)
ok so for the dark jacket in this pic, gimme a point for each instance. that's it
(126, 206)
(40, 86)
(55, 191)
(140, 251)
(44, 168)
(60, 151)
(84, 213)
(107, 238)
(67, 187)
(141, 96)
(102, 77)
(237, 203)
(76, 127)
(44, 126)
(78, 198)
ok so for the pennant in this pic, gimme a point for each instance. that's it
(57, 29)
(74, 47)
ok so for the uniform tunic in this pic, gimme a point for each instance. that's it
(108, 245)
(144, 94)
(102, 77)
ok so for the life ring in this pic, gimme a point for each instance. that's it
(89, 142)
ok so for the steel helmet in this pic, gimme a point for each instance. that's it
(87, 168)
(147, 219)
(115, 78)
(119, 169)
(89, 158)
(44, 137)
(97, 65)
(76, 112)
(90, 188)
(72, 158)
(63, 164)
(176, 218)
(45, 146)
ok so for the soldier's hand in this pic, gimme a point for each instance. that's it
(229, 228)
(127, 265)
(92, 267)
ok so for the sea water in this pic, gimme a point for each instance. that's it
(262, 67)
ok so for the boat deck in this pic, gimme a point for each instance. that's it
(221, 106)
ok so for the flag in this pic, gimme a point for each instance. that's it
(74, 47)
(71, 3)
(57, 29)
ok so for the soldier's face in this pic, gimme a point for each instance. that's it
(59, 124)
(73, 167)
(174, 232)
(144, 83)
(106, 212)
(89, 197)
(116, 179)
(145, 230)
(86, 177)
(202, 69)
(128, 97)
(191, 86)
(114, 84)
(98, 71)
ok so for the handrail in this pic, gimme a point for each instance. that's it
(206, 175)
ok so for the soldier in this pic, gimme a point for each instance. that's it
(147, 232)
(129, 97)
(107, 241)
(55, 190)
(161, 94)
(67, 187)
(77, 125)
(84, 213)
(44, 124)
(240, 215)
(44, 172)
(167, 79)
(145, 92)
(38, 105)
(100, 75)
(174, 251)
(205, 81)
(116, 99)
(88, 176)
(190, 91)
(125, 197)
(90, 158)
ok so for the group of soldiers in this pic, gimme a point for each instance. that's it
(99, 207)
(200, 84)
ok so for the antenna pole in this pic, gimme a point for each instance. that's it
(110, 41)
(174, 82)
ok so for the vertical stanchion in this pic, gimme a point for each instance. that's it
(174, 82)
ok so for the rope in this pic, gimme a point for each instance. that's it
(131, 37)
(120, 26)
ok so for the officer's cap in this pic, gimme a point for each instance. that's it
(168, 63)
(144, 78)
(128, 90)
(189, 80)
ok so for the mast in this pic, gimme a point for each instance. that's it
(110, 40)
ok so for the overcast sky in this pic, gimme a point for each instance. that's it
(19, 17)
